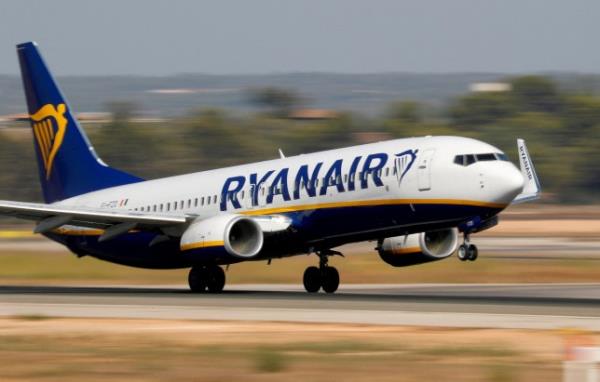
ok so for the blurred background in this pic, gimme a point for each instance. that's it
(191, 86)
(166, 88)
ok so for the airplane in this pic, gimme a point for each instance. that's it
(415, 197)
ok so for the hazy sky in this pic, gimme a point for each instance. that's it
(259, 36)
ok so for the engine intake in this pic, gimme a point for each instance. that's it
(241, 236)
(402, 251)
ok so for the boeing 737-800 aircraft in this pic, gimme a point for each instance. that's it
(413, 196)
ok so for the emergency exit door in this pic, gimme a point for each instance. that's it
(424, 170)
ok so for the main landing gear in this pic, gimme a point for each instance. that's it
(467, 251)
(204, 278)
(324, 276)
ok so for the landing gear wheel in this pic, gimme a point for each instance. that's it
(462, 252)
(197, 279)
(330, 279)
(312, 279)
(215, 280)
(472, 252)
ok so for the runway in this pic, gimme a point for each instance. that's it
(531, 306)
(561, 246)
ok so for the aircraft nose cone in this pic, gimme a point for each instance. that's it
(509, 184)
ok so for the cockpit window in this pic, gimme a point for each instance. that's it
(485, 157)
(502, 156)
(468, 159)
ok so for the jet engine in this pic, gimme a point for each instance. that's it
(402, 251)
(240, 236)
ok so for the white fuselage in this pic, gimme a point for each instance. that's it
(344, 178)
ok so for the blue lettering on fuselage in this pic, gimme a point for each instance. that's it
(255, 185)
(333, 178)
(279, 186)
(305, 179)
(229, 193)
(369, 168)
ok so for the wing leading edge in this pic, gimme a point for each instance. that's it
(50, 217)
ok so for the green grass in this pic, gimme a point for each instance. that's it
(26, 267)
(32, 317)
(98, 356)
(270, 360)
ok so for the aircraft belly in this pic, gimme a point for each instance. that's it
(328, 226)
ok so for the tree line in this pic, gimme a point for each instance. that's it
(562, 130)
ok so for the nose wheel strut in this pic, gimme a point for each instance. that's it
(467, 251)
(324, 276)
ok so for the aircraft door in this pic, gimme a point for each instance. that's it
(248, 198)
(424, 170)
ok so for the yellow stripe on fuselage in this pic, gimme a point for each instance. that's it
(378, 202)
(202, 244)
(308, 207)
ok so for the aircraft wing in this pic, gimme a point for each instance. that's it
(114, 222)
(531, 188)
(50, 217)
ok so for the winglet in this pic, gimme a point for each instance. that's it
(531, 188)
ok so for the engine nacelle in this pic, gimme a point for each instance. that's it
(237, 235)
(402, 251)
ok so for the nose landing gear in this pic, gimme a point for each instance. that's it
(467, 251)
(324, 276)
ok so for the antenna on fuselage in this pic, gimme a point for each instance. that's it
(281, 154)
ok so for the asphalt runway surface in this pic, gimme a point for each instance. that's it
(532, 306)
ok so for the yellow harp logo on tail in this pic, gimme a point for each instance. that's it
(49, 126)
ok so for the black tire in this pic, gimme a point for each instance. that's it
(330, 279)
(312, 279)
(215, 281)
(197, 279)
(462, 252)
(472, 252)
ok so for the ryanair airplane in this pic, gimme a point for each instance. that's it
(415, 197)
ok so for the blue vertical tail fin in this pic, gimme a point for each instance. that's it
(68, 165)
